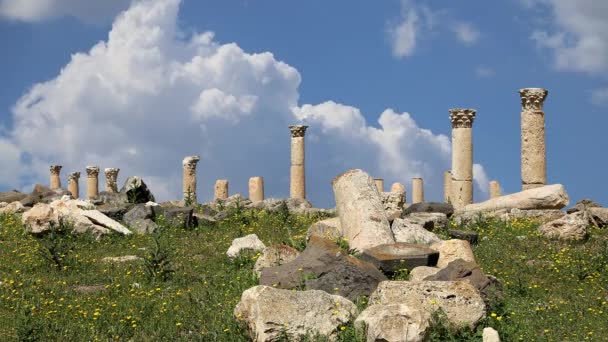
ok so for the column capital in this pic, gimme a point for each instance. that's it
(92, 171)
(462, 117)
(74, 176)
(190, 161)
(111, 171)
(297, 130)
(55, 169)
(533, 98)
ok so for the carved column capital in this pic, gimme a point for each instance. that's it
(73, 177)
(462, 117)
(92, 171)
(111, 171)
(297, 131)
(189, 164)
(533, 98)
(55, 169)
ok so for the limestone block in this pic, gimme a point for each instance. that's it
(394, 323)
(453, 249)
(545, 197)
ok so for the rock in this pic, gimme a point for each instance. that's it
(329, 229)
(292, 205)
(267, 312)
(451, 250)
(102, 220)
(232, 202)
(12, 208)
(463, 270)
(430, 221)
(430, 207)
(407, 232)
(39, 219)
(4, 204)
(141, 219)
(393, 204)
(544, 197)
(176, 216)
(121, 259)
(570, 227)
(421, 272)
(152, 204)
(276, 255)
(461, 302)
(115, 211)
(136, 190)
(325, 266)
(394, 323)
(393, 257)
(11, 196)
(72, 212)
(250, 241)
(470, 236)
(490, 335)
(42, 194)
(362, 217)
(202, 219)
(583, 204)
(600, 216)
(112, 199)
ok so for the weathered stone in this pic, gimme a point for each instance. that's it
(393, 323)
(490, 335)
(430, 221)
(251, 242)
(328, 229)
(533, 150)
(540, 215)
(545, 197)
(92, 181)
(42, 217)
(13, 208)
(297, 184)
(71, 212)
(115, 211)
(461, 302)
(470, 236)
(100, 219)
(220, 189)
(393, 204)
(421, 272)
(325, 266)
(570, 227)
(582, 205)
(73, 186)
(121, 259)
(430, 207)
(136, 190)
(399, 188)
(495, 190)
(205, 220)
(39, 219)
(451, 250)
(175, 216)
(111, 199)
(406, 231)
(276, 255)
(600, 216)
(462, 156)
(268, 313)
(463, 270)
(393, 257)
(141, 219)
(362, 217)
(12, 196)
(256, 189)
(189, 180)
(293, 205)
(447, 186)
(417, 190)
(379, 184)
(55, 182)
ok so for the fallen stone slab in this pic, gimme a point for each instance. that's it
(570, 227)
(450, 250)
(268, 313)
(394, 323)
(13, 208)
(470, 236)
(121, 259)
(328, 229)
(250, 242)
(430, 221)
(102, 220)
(544, 197)
(421, 272)
(276, 255)
(466, 271)
(490, 335)
(391, 257)
(600, 216)
(583, 204)
(429, 207)
(406, 231)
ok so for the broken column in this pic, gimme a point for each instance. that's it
(495, 189)
(189, 182)
(256, 189)
(92, 182)
(398, 187)
(417, 190)
(55, 178)
(379, 184)
(111, 176)
(447, 186)
(361, 211)
(462, 156)
(73, 184)
(533, 151)
(298, 181)
(220, 190)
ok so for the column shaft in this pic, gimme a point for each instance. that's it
(220, 190)
(461, 185)
(297, 187)
(533, 149)
(447, 186)
(55, 182)
(256, 189)
(495, 189)
(111, 176)
(92, 182)
(417, 190)
(189, 179)
(379, 184)
(73, 184)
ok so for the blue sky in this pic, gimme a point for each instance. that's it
(158, 86)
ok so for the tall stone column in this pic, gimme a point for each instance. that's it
(297, 185)
(495, 190)
(447, 186)
(462, 156)
(533, 151)
(111, 176)
(189, 183)
(417, 190)
(256, 189)
(55, 177)
(73, 184)
(220, 190)
(92, 182)
(379, 184)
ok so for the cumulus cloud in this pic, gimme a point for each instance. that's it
(38, 10)
(466, 33)
(144, 99)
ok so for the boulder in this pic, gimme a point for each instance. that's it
(461, 302)
(12, 208)
(430, 221)
(140, 219)
(583, 204)
(323, 265)
(406, 231)
(393, 204)
(181, 217)
(72, 212)
(268, 313)
(202, 219)
(421, 272)
(599, 216)
(42, 217)
(115, 211)
(276, 255)
(544, 197)
(471, 236)
(251, 242)
(231, 202)
(394, 323)
(102, 220)
(39, 219)
(112, 199)
(463, 270)
(490, 335)
(451, 250)
(362, 217)
(570, 227)
(392, 257)
(430, 207)
(136, 190)
(11, 196)
(329, 229)
(42, 194)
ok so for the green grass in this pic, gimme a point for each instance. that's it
(553, 291)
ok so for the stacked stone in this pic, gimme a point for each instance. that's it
(92, 182)
(55, 182)
(533, 150)
(73, 184)
(189, 182)
(297, 172)
(111, 176)
(462, 157)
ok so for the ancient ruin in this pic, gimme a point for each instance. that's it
(297, 187)
(533, 150)
(73, 184)
(220, 189)
(92, 182)
(379, 184)
(417, 190)
(447, 186)
(495, 190)
(55, 177)
(399, 188)
(462, 156)
(256, 189)
(189, 183)
(111, 176)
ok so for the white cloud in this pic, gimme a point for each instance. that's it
(466, 33)
(484, 71)
(577, 35)
(10, 171)
(144, 99)
(599, 97)
(481, 178)
(37, 10)
(403, 34)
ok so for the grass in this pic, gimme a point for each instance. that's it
(185, 288)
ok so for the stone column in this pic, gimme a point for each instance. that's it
(398, 187)
(189, 183)
(298, 180)
(447, 186)
(379, 184)
(92, 182)
(462, 157)
(55, 178)
(533, 151)
(73, 184)
(111, 176)
(256, 189)
(220, 190)
(495, 189)
(417, 190)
